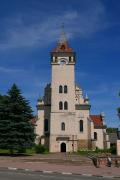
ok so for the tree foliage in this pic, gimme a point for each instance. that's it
(16, 129)
(111, 130)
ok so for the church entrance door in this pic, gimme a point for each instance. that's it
(63, 147)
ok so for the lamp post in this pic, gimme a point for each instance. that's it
(118, 137)
(118, 131)
(118, 134)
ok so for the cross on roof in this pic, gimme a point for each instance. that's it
(63, 35)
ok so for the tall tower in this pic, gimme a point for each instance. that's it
(62, 121)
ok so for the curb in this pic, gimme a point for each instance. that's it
(54, 172)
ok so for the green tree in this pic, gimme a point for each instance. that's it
(4, 121)
(111, 130)
(16, 129)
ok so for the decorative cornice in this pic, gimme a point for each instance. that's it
(82, 107)
(42, 107)
(63, 54)
(61, 138)
(100, 127)
(77, 107)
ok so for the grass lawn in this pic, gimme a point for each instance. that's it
(6, 152)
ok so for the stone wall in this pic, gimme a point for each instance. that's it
(47, 142)
(84, 144)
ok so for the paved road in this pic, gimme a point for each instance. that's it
(22, 175)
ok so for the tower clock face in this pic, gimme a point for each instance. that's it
(63, 61)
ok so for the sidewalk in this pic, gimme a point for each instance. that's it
(59, 168)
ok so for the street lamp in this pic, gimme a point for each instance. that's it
(118, 131)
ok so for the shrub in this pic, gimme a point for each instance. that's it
(40, 149)
(113, 150)
(85, 152)
(98, 151)
(22, 150)
(30, 151)
(102, 150)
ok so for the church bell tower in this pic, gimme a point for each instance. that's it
(64, 123)
(62, 94)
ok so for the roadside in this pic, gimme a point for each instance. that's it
(60, 163)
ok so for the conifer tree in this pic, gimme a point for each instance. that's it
(16, 129)
(4, 122)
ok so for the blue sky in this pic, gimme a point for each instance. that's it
(30, 29)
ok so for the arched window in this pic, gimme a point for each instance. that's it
(46, 125)
(65, 105)
(95, 135)
(65, 89)
(60, 89)
(81, 125)
(63, 126)
(60, 105)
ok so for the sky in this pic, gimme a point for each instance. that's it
(30, 29)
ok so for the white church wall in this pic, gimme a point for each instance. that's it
(40, 125)
(57, 119)
(63, 75)
(82, 115)
(100, 138)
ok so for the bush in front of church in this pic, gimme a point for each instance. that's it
(40, 149)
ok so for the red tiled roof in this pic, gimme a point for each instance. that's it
(63, 47)
(97, 120)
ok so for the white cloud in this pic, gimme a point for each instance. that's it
(10, 70)
(19, 34)
(101, 89)
(111, 89)
(24, 77)
(80, 74)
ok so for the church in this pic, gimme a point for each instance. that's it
(64, 122)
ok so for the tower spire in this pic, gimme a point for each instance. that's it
(62, 45)
(63, 38)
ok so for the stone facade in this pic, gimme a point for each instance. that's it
(118, 147)
(64, 123)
